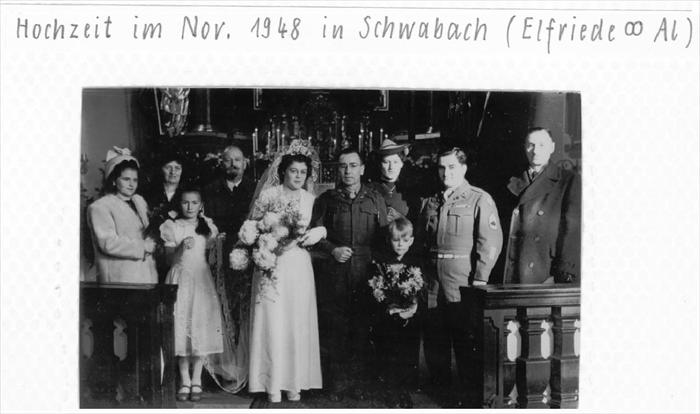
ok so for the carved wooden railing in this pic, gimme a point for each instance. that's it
(126, 338)
(526, 344)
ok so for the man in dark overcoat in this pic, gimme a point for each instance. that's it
(544, 243)
(353, 214)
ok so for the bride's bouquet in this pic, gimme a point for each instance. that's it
(265, 239)
(396, 285)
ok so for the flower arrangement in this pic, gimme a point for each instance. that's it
(262, 241)
(397, 285)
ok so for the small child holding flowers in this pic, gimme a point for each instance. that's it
(397, 286)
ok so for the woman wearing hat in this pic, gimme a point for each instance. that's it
(399, 204)
(118, 221)
(391, 162)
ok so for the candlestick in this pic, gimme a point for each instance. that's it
(269, 143)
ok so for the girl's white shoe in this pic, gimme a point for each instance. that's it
(293, 396)
(274, 397)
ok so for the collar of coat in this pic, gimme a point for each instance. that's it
(437, 199)
(222, 186)
(521, 186)
(364, 191)
(140, 204)
(458, 192)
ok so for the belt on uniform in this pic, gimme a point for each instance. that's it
(450, 256)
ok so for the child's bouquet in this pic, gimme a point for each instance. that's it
(265, 239)
(396, 285)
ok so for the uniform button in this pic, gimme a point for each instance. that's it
(531, 265)
(539, 213)
(537, 238)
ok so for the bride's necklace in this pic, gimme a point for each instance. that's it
(291, 195)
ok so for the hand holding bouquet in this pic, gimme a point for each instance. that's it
(261, 241)
(397, 286)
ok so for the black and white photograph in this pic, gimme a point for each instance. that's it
(349, 205)
(330, 248)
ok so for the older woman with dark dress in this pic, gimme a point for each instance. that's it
(163, 200)
(163, 197)
(118, 221)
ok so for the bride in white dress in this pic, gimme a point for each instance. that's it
(284, 342)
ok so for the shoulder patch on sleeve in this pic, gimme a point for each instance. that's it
(493, 221)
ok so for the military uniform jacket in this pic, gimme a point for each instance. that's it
(354, 223)
(465, 230)
(545, 232)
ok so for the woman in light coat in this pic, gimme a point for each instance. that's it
(117, 222)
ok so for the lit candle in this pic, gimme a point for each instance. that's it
(269, 143)
(277, 139)
(255, 141)
(359, 142)
(381, 134)
(371, 147)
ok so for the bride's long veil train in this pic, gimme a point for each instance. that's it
(230, 368)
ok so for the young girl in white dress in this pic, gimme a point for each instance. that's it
(198, 330)
(284, 343)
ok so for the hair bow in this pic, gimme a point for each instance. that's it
(116, 152)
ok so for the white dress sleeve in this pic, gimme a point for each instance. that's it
(307, 205)
(169, 233)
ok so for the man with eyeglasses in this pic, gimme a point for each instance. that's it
(353, 214)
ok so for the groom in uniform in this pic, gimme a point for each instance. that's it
(353, 214)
